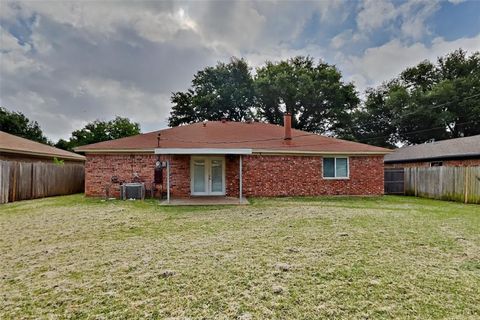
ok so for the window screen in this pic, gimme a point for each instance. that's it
(335, 167)
(341, 167)
(329, 167)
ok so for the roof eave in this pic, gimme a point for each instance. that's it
(311, 152)
(436, 158)
(244, 151)
(146, 150)
(42, 154)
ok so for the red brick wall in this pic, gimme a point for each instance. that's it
(231, 175)
(446, 163)
(262, 175)
(100, 168)
(302, 176)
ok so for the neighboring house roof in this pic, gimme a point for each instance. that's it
(260, 137)
(467, 147)
(16, 145)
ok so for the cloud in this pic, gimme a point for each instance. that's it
(409, 17)
(66, 74)
(157, 21)
(67, 63)
(375, 13)
(382, 63)
(346, 37)
(14, 59)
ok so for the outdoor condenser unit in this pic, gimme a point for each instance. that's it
(134, 190)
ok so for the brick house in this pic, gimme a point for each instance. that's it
(459, 152)
(223, 158)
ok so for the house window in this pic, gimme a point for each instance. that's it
(335, 168)
(436, 164)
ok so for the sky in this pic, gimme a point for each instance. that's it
(67, 63)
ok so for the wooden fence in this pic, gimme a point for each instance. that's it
(24, 180)
(445, 183)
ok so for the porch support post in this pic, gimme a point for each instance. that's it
(240, 169)
(168, 181)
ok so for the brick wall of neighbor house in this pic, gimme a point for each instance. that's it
(100, 168)
(262, 175)
(446, 163)
(302, 176)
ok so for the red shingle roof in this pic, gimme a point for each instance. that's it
(232, 135)
(16, 145)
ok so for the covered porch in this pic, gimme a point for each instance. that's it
(213, 177)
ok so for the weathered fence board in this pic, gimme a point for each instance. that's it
(4, 182)
(25, 180)
(446, 183)
(394, 181)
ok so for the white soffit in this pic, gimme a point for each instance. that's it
(201, 151)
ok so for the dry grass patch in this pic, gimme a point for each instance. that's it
(391, 257)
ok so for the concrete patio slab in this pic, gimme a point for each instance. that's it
(205, 201)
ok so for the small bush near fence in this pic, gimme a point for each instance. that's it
(445, 183)
(24, 180)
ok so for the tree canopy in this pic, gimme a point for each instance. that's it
(224, 91)
(427, 102)
(98, 131)
(18, 124)
(314, 94)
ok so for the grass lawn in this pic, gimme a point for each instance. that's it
(311, 258)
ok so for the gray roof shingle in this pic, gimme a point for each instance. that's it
(459, 147)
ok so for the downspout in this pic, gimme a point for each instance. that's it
(168, 181)
(240, 186)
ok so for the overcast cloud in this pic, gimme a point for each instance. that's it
(67, 63)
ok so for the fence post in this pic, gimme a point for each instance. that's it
(465, 186)
(416, 178)
(31, 181)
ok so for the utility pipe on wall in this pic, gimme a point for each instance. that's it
(168, 181)
(240, 186)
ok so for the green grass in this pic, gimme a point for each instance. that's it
(285, 258)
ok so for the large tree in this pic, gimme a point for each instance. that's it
(223, 91)
(427, 102)
(98, 131)
(313, 93)
(373, 123)
(18, 124)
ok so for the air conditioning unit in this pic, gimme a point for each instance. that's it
(134, 190)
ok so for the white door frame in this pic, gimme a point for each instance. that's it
(208, 174)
